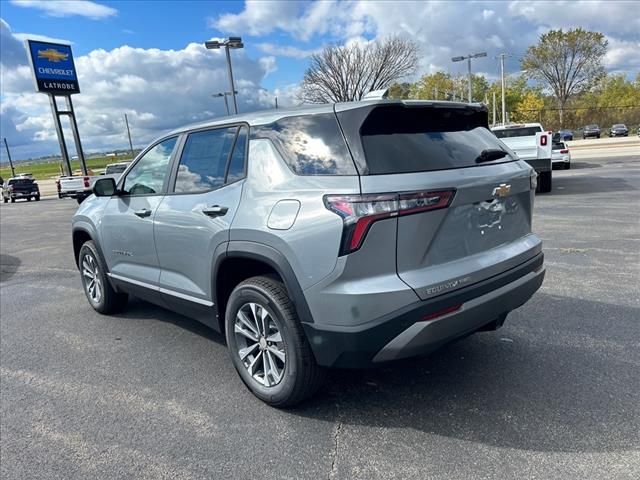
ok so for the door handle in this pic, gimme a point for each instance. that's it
(215, 211)
(144, 212)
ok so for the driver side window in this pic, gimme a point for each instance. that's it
(147, 176)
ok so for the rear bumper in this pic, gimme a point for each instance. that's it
(74, 194)
(540, 164)
(403, 333)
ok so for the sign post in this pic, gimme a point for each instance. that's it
(54, 73)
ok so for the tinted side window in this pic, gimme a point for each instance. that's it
(236, 166)
(310, 144)
(148, 174)
(204, 160)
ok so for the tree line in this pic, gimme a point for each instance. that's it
(562, 82)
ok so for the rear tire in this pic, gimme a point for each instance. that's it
(13, 200)
(5, 200)
(261, 323)
(567, 165)
(37, 198)
(545, 182)
(100, 294)
(79, 200)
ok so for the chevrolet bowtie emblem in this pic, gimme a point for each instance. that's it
(52, 55)
(502, 190)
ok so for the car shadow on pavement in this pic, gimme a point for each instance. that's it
(138, 309)
(8, 266)
(576, 185)
(514, 388)
(581, 165)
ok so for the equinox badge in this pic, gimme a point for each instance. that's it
(502, 190)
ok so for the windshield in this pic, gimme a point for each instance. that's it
(517, 132)
(618, 125)
(592, 127)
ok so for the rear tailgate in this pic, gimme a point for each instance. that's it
(486, 228)
(74, 184)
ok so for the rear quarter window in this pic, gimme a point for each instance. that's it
(517, 132)
(309, 144)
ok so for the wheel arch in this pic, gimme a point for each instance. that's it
(258, 259)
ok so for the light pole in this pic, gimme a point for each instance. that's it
(13, 172)
(231, 42)
(502, 57)
(468, 58)
(224, 95)
(126, 121)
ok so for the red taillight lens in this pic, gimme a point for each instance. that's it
(359, 212)
(564, 151)
(543, 140)
(440, 313)
(87, 183)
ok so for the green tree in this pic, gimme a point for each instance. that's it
(567, 62)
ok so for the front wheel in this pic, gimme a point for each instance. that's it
(37, 198)
(101, 295)
(6, 200)
(545, 182)
(267, 345)
(13, 200)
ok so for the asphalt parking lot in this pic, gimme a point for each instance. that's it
(150, 394)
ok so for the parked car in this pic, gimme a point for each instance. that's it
(532, 144)
(560, 155)
(21, 186)
(342, 235)
(591, 131)
(80, 187)
(619, 130)
(563, 135)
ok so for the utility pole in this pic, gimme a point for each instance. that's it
(126, 120)
(468, 59)
(502, 57)
(13, 172)
(276, 103)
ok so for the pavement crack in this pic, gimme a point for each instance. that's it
(336, 445)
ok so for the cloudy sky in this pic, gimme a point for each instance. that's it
(147, 58)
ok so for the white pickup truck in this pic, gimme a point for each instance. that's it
(80, 187)
(533, 145)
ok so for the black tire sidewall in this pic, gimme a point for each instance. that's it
(246, 293)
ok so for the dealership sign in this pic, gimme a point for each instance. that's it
(53, 69)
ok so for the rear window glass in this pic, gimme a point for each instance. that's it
(111, 169)
(517, 132)
(21, 181)
(310, 144)
(405, 140)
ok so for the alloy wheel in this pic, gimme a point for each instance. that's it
(91, 278)
(259, 344)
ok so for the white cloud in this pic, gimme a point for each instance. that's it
(158, 89)
(68, 8)
(285, 50)
(623, 56)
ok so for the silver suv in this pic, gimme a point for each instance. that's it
(329, 236)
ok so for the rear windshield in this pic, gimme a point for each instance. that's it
(517, 132)
(115, 169)
(310, 144)
(592, 127)
(400, 139)
(21, 181)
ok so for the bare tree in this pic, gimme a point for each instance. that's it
(346, 73)
(569, 62)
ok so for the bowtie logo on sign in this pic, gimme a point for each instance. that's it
(52, 55)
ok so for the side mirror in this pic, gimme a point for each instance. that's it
(104, 187)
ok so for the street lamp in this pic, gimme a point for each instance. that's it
(468, 58)
(224, 94)
(231, 42)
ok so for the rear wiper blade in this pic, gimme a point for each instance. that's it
(490, 154)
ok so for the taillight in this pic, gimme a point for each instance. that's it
(543, 140)
(564, 151)
(359, 212)
(87, 183)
